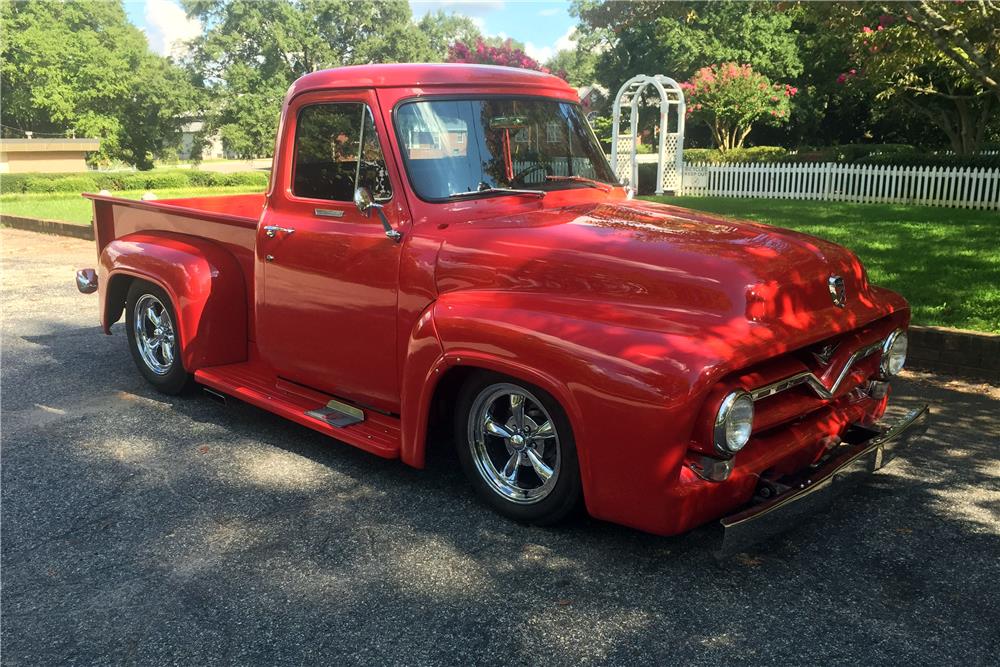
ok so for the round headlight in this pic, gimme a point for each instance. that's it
(733, 422)
(893, 354)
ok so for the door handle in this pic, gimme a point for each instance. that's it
(272, 230)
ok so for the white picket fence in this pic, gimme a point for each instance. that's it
(932, 186)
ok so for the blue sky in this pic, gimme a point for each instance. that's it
(544, 26)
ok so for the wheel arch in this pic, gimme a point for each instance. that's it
(623, 395)
(204, 282)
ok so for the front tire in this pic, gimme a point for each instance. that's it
(516, 446)
(151, 323)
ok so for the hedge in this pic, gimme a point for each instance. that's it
(129, 180)
(64, 184)
(751, 154)
(931, 160)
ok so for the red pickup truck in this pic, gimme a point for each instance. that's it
(447, 245)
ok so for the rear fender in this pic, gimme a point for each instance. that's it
(205, 284)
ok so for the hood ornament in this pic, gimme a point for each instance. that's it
(824, 354)
(838, 292)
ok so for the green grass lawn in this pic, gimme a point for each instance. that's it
(945, 261)
(69, 207)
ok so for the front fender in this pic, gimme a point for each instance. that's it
(629, 402)
(205, 284)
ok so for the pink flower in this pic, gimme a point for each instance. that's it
(842, 78)
(866, 30)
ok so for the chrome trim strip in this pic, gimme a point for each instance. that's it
(328, 213)
(814, 382)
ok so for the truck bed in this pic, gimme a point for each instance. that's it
(229, 220)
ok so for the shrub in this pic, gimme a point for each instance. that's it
(151, 180)
(177, 179)
(204, 179)
(930, 160)
(10, 183)
(59, 184)
(111, 180)
(760, 154)
(126, 180)
(701, 155)
(752, 154)
(244, 178)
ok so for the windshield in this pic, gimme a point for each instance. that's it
(453, 147)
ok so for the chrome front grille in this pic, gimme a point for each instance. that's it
(810, 379)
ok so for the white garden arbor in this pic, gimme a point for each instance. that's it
(624, 148)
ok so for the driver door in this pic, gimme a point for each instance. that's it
(327, 275)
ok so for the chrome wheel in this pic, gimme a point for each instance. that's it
(514, 443)
(154, 334)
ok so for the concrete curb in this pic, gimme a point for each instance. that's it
(955, 351)
(85, 232)
(959, 352)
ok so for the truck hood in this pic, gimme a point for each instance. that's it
(662, 259)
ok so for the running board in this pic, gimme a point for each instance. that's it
(338, 414)
(255, 383)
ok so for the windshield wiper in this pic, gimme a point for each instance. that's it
(492, 190)
(600, 185)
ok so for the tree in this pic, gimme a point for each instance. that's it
(908, 63)
(648, 37)
(730, 98)
(252, 51)
(577, 65)
(444, 30)
(965, 34)
(483, 53)
(82, 68)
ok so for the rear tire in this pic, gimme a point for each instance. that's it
(516, 446)
(151, 325)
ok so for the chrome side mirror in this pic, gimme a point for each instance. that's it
(365, 202)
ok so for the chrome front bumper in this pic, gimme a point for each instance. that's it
(815, 488)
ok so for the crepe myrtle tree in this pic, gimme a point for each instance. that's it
(505, 53)
(947, 74)
(730, 98)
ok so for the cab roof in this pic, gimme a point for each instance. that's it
(420, 75)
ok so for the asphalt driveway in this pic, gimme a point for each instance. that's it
(146, 530)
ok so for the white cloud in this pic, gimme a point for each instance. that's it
(167, 27)
(543, 53)
(549, 12)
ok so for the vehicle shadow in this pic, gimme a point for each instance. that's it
(175, 517)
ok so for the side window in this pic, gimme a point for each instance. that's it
(372, 173)
(336, 147)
